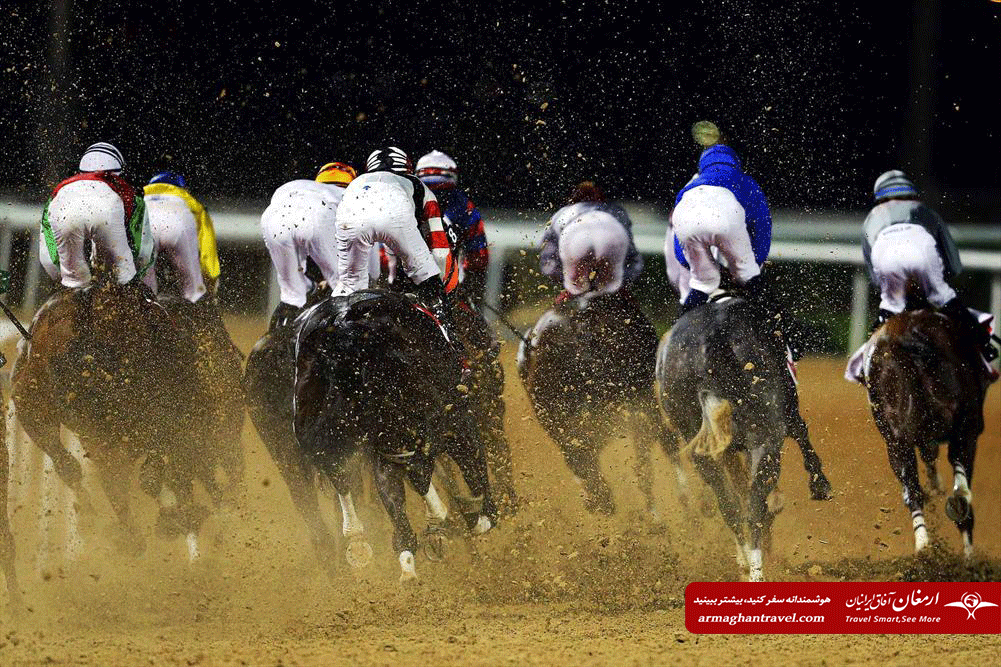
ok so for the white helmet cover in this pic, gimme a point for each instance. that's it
(102, 156)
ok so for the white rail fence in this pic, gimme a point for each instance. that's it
(798, 237)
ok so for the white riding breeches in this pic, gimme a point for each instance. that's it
(90, 213)
(296, 228)
(379, 212)
(903, 253)
(710, 216)
(176, 232)
(593, 249)
(677, 275)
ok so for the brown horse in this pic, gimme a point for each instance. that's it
(927, 386)
(584, 370)
(6, 537)
(113, 366)
(219, 364)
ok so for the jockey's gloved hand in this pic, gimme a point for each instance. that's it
(283, 315)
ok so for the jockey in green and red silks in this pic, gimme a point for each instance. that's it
(99, 208)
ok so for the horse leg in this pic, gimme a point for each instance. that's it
(300, 479)
(820, 486)
(905, 467)
(765, 466)
(114, 467)
(45, 434)
(498, 449)
(469, 455)
(959, 506)
(713, 475)
(6, 536)
(389, 483)
(582, 459)
(929, 456)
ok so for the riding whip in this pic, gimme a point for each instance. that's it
(503, 320)
(4, 284)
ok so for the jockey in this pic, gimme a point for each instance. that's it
(299, 224)
(904, 240)
(462, 220)
(97, 208)
(588, 245)
(183, 231)
(388, 204)
(723, 207)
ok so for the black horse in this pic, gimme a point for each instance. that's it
(584, 369)
(373, 368)
(721, 383)
(926, 386)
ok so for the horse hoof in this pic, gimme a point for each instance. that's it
(957, 508)
(358, 553)
(408, 572)
(599, 506)
(820, 488)
(483, 525)
(435, 545)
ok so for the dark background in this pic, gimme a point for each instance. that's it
(819, 97)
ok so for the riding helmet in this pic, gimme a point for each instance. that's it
(171, 178)
(893, 183)
(389, 158)
(102, 156)
(336, 173)
(438, 170)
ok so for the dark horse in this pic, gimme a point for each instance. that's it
(926, 386)
(112, 365)
(486, 389)
(720, 382)
(370, 370)
(584, 369)
(269, 382)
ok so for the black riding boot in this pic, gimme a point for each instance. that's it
(970, 328)
(881, 318)
(432, 294)
(761, 295)
(694, 299)
(283, 315)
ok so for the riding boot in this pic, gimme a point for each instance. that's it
(695, 299)
(431, 294)
(283, 315)
(970, 328)
(760, 294)
(881, 318)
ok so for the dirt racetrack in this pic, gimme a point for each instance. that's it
(551, 586)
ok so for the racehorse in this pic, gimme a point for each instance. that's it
(926, 386)
(110, 364)
(6, 537)
(370, 369)
(583, 370)
(219, 364)
(720, 383)
(269, 383)
(486, 389)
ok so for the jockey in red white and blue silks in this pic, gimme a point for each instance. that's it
(462, 221)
